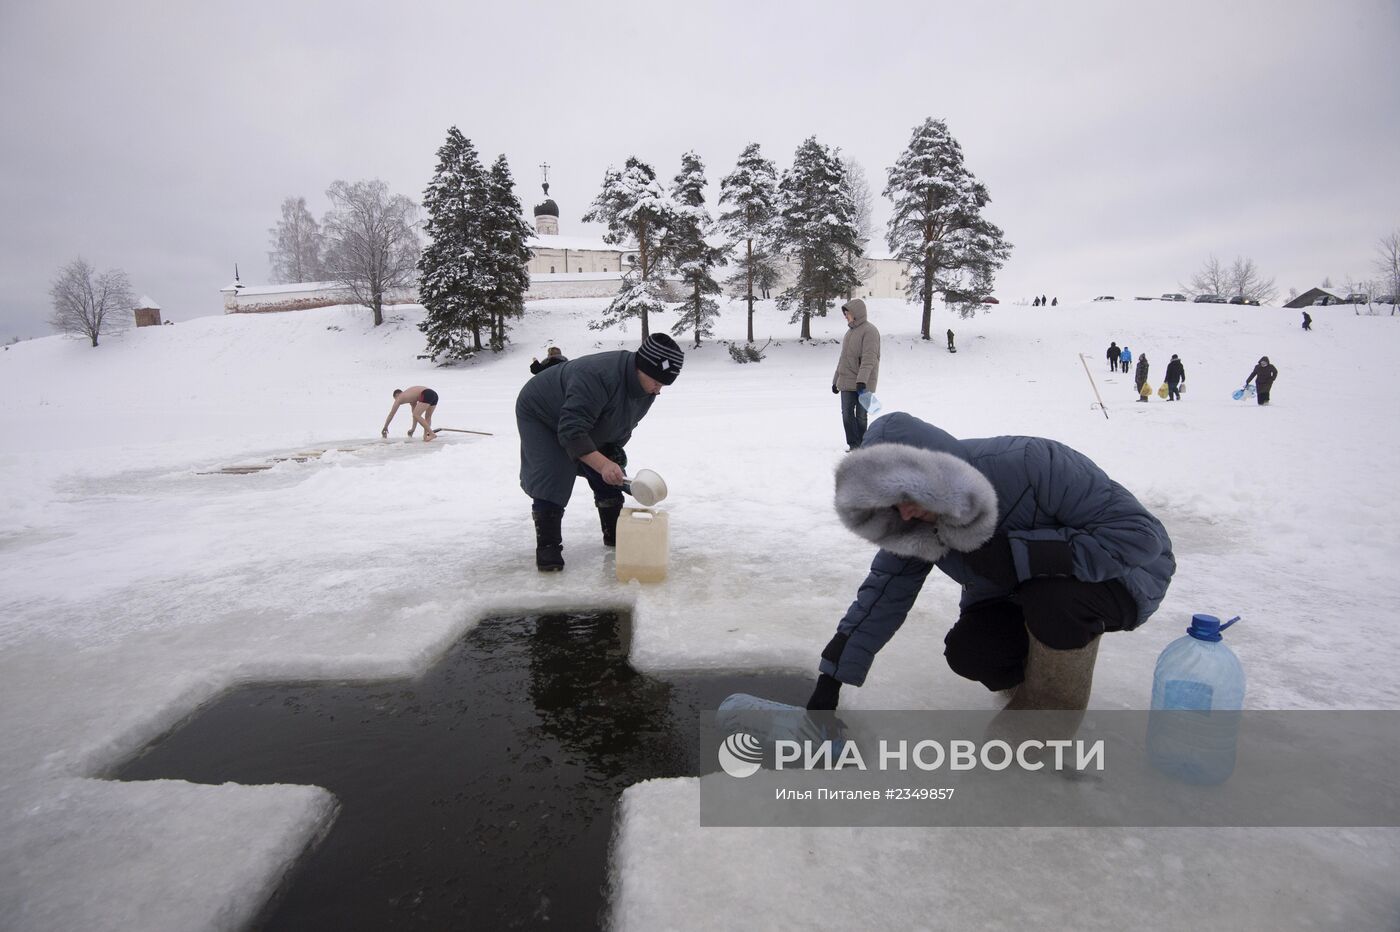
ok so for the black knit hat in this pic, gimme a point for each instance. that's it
(660, 358)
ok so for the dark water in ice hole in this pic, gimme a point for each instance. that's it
(480, 795)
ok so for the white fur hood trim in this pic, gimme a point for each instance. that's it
(871, 481)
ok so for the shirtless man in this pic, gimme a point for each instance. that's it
(421, 401)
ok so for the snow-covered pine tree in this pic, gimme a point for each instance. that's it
(937, 228)
(751, 190)
(693, 259)
(635, 210)
(817, 232)
(450, 281)
(505, 235)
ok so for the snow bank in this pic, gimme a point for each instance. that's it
(135, 586)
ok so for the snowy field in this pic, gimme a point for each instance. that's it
(135, 585)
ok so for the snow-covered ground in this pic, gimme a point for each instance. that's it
(135, 586)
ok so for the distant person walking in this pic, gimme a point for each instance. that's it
(1042, 300)
(1140, 378)
(1176, 378)
(1113, 356)
(1263, 377)
(553, 357)
(1307, 321)
(1055, 302)
(1035, 302)
(950, 339)
(1124, 358)
(857, 370)
(422, 402)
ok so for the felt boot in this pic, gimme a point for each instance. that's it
(549, 541)
(608, 513)
(1056, 679)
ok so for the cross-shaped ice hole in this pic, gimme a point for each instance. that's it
(480, 794)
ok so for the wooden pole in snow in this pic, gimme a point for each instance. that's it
(1094, 385)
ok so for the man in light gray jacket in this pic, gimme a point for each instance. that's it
(857, 370)
(1050, 552)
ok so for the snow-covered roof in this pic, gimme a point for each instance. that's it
(546, 241)
(246, 290)
(881, 255)
(575, 276)
(145, 303)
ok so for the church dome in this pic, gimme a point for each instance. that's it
(547, 209)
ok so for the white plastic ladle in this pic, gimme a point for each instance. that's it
(647, 487)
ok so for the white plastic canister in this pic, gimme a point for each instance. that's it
(643, 545)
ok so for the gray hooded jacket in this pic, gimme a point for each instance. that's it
(572, 409)
(1039, 493)
(860, 351)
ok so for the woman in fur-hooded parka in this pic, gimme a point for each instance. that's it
(1061, 514)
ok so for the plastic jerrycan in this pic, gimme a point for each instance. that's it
(1197, 697)
(643, 545)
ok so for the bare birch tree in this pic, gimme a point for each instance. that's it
(1387, 264)
(1245, 280)
(372, 241)
(296, 245)
(864, 198)
(90, 304)
(1212, 278)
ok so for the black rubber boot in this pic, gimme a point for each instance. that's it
(607, 516)
(549, 541)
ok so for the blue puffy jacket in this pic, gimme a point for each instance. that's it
(1037, 492)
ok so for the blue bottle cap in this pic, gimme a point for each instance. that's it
(1208, 627)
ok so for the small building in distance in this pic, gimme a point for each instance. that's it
(1311, 296)
(147, 312)
(882, 275)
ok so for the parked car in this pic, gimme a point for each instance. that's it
(1388, 299)
(1241, 299)
(1357, 297)
(1105, 297)
(990, 300)
(1209, 299)
(1173, 296)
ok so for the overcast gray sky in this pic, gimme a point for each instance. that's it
(1122, 142)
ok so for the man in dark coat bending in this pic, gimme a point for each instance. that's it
(574, 420)
(1050, 552)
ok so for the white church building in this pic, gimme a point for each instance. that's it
(560, 267)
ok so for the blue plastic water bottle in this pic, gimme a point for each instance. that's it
(1197, 695)
(869, 402)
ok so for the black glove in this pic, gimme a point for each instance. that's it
(993, 562)
(826, 695)
(834, 389)
(860, 387)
